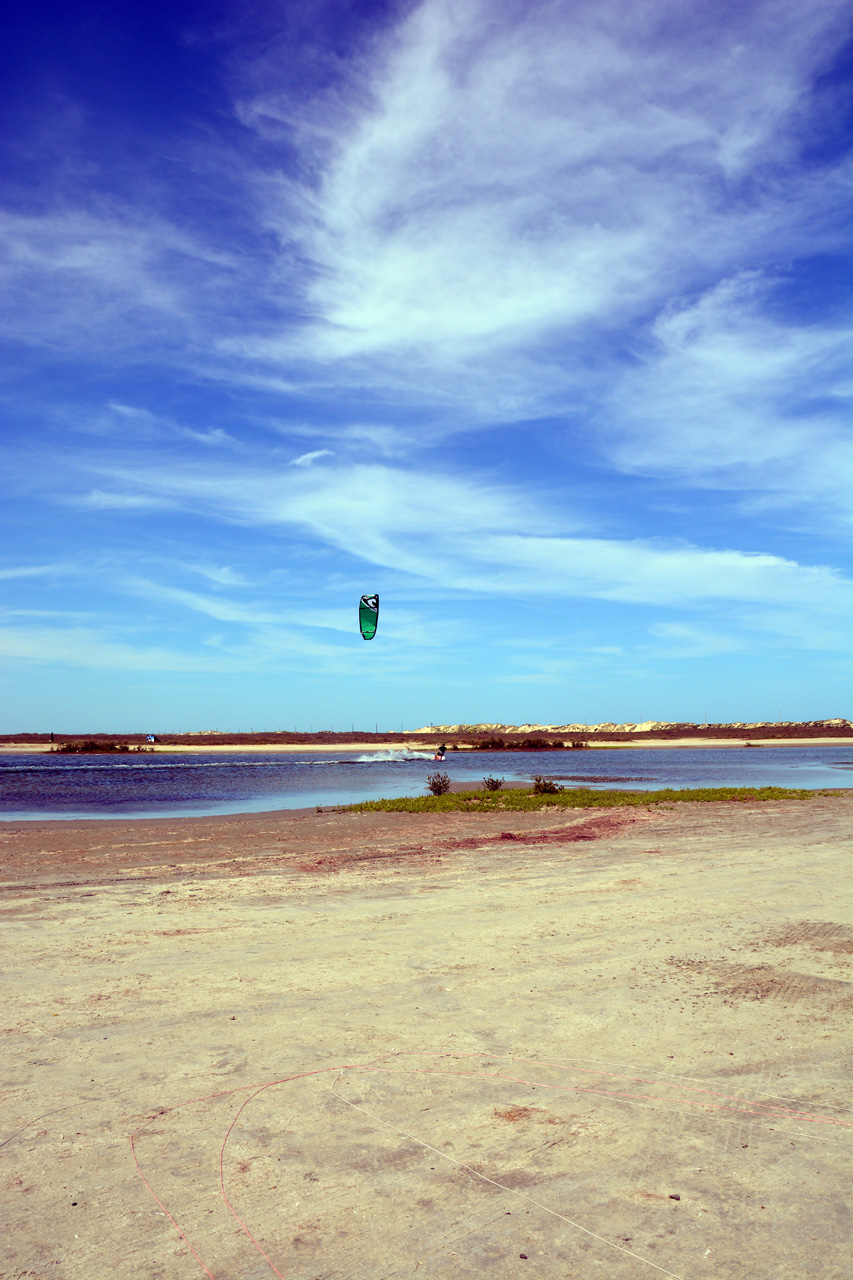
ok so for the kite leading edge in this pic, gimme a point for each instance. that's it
(368, 616)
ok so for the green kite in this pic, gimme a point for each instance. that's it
(368, 616)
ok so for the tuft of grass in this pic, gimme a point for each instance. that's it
(582, 798)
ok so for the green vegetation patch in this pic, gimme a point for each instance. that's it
(581, 798)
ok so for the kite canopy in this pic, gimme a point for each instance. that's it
(368, 616)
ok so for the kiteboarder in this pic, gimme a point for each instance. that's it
(440, 753)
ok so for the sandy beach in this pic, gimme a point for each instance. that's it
(564, 1044)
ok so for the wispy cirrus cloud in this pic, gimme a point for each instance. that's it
(378, 513)
(728, 394)
(504, 220)
(650, 572)
(222, 575)
(256, 615)
(473, 537)
(33, 570)
(493, 182)
(306, 459)
(489, 213)
(289, 629)
(104, 500)
(478, 205)
(93, 647)
(93, 280)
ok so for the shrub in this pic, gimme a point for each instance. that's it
(438, 783)
(493, 784)
(544, 786)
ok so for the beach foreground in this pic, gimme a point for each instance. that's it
(447, 1045)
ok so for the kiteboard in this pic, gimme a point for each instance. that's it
(368, 616)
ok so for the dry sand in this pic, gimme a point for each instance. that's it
(609, 1046)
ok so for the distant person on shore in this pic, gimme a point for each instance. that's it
(441, 752)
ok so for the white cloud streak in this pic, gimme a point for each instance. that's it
(83, 280)
(647, 572)
(33, 571)
(285, 622)
(681, 640)
(223, 575)
(466, 536)
(89, 647)
(728, 396)
(482, 178)
(306, 459)
(512, 178)
(506, 199)
(103, 500)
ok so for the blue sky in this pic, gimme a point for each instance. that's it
(531, 317)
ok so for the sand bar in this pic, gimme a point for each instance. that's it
(39, 748)
(243, 749)
(494, 1035)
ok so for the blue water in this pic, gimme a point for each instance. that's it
(160, 785)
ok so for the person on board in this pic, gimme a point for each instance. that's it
(441, 752)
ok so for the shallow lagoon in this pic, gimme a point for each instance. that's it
(42, 786)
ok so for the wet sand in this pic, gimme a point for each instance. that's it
(554, 1044)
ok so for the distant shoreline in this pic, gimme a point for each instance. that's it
(528, 737)
(289, 748)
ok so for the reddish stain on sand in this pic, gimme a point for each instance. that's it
(595, 829)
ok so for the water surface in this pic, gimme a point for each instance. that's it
(189, 785)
